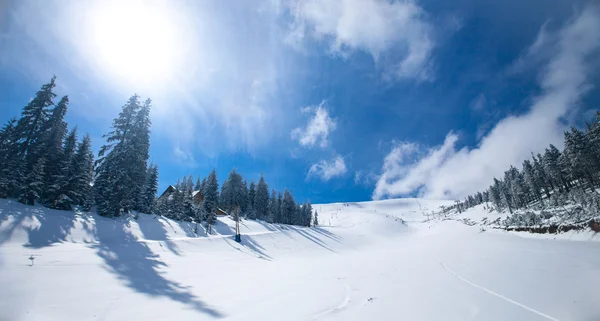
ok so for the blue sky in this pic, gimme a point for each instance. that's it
(335, 100)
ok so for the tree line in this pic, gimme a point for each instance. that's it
(253, 201)
(41, 161)
(551, 179)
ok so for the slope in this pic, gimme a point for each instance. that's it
(372, 260)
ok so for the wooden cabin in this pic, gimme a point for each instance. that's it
(221, 212)
(198, 197)
(167, 193)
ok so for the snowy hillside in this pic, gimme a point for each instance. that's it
(367, 261)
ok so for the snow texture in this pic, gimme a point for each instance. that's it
(383, 260)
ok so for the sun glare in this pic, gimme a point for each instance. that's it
(135, 41)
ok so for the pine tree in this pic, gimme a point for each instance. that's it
(261, 199)
(121, 164)
(554, 167)
(279, 213)
(211, 196)
(81, 173)
(288, 208)
(540, 174)
(244, 198)
(251, 196)
(579, 156)
(198, 185)
(529, 174)
(33, 118)
(232, 192)
(308, 214)
(33, 184)
(149, 190)
(316, 219)
(10, 174)
(495, 194)
(51, 148)
(273, 207)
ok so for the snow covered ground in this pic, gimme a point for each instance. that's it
(368, 261)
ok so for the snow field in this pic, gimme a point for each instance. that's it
(368, 261)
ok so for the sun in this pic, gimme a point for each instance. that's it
(135, 41)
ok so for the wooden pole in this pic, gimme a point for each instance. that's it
(238, 237)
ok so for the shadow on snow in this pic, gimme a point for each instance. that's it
(139, 268)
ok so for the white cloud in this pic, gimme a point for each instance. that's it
(318, 128)
(377, 27)
(402, 176)
(328, 169)
(447, 172)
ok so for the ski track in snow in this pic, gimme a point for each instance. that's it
(337, 308)
(495, 294)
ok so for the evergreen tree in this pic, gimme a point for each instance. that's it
(534, 187)
(121, 167)
(140, 148)
(288, 207)
(56, 165)
(198, 185)
(316, 219)
(578, 153)
(149, 191)
(495, 194)
(244, 201)
(33, 184)
(308, 214)
(33, 118)
(81, 173)
(211, 196)
(251, 196)
(273, 208)
(540, 174)
(279, 213)
(232, 192)
(553, 166)
(10, 174)
(261, 199)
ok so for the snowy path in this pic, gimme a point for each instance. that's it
(368, 263)
(496, 294)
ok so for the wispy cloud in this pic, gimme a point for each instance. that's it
(317, 129)
(448, 172)
(328, 169)
(377, 27)
(184, 157)
(365, 178)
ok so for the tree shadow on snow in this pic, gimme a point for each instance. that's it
(139, 268)
(249, 243)
(254, 246)
(54, 227)
(328, 234)
(188, 228)
(305, 232)
(222, 228)
(154, 229)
